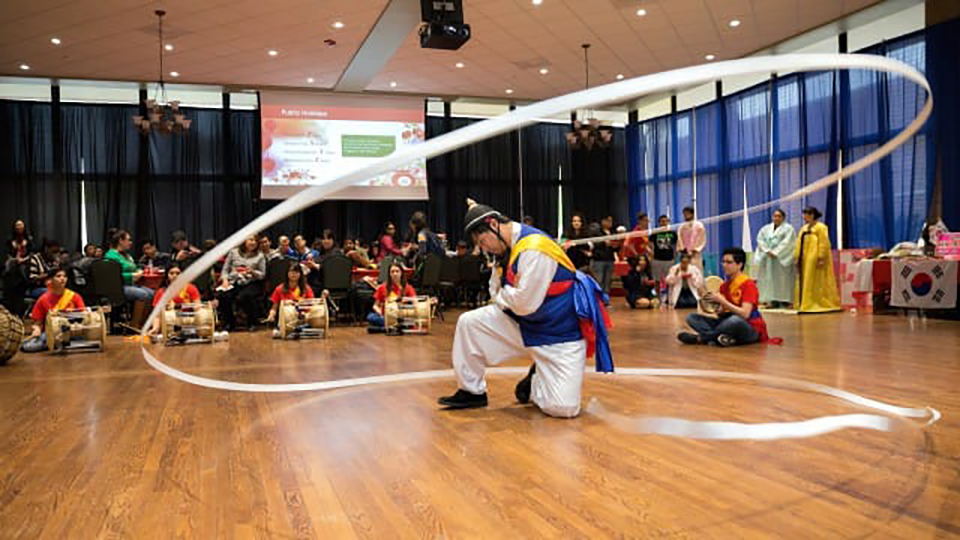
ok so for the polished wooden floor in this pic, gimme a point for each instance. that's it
(100, 445)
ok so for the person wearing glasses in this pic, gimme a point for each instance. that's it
(739, 321)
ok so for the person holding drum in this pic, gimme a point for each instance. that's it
(187, 295)
(738, 320)
(293, 289)
(58, 297)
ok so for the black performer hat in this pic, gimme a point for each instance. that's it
(477, 215)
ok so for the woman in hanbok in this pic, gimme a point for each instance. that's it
(774, 261)
(816, 290)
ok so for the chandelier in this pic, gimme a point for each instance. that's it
(162, 116)
(588, 133)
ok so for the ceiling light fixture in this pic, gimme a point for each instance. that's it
(168, 47)
(509, 90)
(459, 65)
(619, 76)
(544, 71)
(338, 25)
(272, 52)
(735, 23)
(641, 12)
(709, 57)
(393, 84)
(161, 115)
(537, 2)
(310, 80)
(589, 133)
(55, 40)
(25, 67)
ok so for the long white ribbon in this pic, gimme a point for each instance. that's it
(594, 97)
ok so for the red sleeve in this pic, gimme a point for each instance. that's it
(77, 301)
(409, 292)
(750, 293)
(386, 244)
(156, 297)
(275, 297)
(193, 292)
(381, 295)
(40, 308)
(308, 293)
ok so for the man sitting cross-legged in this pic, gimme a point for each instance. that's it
(739, 321)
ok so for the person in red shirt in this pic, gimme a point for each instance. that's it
(58, 297)
(638, 245)
(391, 291)
(188, 295)
(739, 321)
(295, 288)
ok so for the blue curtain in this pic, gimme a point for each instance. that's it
(887, 202)
(781, 135)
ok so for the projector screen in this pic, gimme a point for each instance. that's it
(309, 139)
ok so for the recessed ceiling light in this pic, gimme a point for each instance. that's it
(168, 47)
(25, 67)
(338, 25)
(537, 2)
(272, 52)
(55, 40)
(509, 90)
(641, 12)
(310, 80)
(459, 65)
(174, 73)
(709, 57)
(619, 76)
(544, 71)
(735, 23)
(393, 84)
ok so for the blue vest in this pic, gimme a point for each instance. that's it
(555, 321)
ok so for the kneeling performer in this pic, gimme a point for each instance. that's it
(541, 306)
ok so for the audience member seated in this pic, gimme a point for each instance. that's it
(267, 249)
(639, 284)
(462, 250)
(79, 268)
(328, 246)
(57, 297)
(40, 267)
(739, 321)
(305, 255)
(284, 248)
(579, 254)
(187, 295)
(181, 250)
(151, 257)
(391, 291)
(388, 244)
(685, 281)
(241, 284)
(119, 252)
(356, 254)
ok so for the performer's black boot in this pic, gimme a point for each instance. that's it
(522, 391)
(464, 400)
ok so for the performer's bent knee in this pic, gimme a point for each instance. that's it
(561, 411)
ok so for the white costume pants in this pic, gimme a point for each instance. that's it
(488, 336)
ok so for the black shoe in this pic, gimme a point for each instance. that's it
(464, 400)
(689, 338)
(376, 330)
(522, 391)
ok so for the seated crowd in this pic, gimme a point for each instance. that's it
(37, 280)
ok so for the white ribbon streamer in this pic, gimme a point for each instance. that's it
(595, 97)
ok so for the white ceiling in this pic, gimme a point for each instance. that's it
(226, 41)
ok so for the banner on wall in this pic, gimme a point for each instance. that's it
(928, 284)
